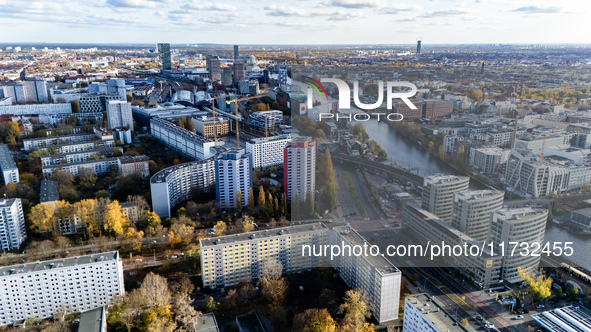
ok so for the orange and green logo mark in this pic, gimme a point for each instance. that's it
(317, 86)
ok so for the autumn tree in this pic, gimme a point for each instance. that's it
(250, 201)
(261, 198)
(185, 315)
(133, 240)
(152, 221)
(155, 290)
(309, 203)
(114, 219)
(275, 290)
(180, 234)
(87, 177)
(183, 287)
(86, 211)
(431, 147)
(441, 152)
(355, 307)
(41, 217)
(540, 286)
(219, 229)
(314, 320)
(245, 224)
(239, 202)
(272, 269)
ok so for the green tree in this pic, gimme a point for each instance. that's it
(573, 293)
(309, 203)
(558, 293)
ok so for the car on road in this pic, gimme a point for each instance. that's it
(489, 325)
(518, 317)
(541, 306)
(479, 318)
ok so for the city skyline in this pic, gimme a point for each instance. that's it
(302, 22)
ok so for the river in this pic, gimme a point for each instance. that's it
(408, 155)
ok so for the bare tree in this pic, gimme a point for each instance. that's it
(155, 290)
(186, 315)
(272, 269)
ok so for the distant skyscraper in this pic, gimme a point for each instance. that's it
(119, 114)
(238, 72)
(233, 173)
(299, 167)
(226, 76)
(214, 68)
(236, 53)
(419, 47)
(282, 78)
(164, 53)
(438, 193)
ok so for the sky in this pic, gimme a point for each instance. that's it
(267, 22)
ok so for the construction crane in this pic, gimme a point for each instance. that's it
(543, 147)
(235, 101)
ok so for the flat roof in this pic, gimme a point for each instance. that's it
(518, 213)
(88, 162)
(6, 160)
(207, 323)
(49, 191)
(162, 174)
(92, 320)
(567, 319)
(57, 263)
(434, 313)
(380, 263)
(478, 194)
(256, 235)
(441, 178)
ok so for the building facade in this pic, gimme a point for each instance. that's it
(422, 314)
(119, 114)
(184, 141)
(299, 168)
(179, 183)
(522, 225)
(93, 103)
(25, 91)
(267, 151)
(100, 166)
(12, 224)
(210, 127)
(233, 173)
(130, 165)
(164, 54)
(472, 211)
(73, 284)
(488, 160)
(438, 193)
(8, 166)
(44, 109)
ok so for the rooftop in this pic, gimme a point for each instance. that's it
(261, 140)
(163, 174)
(440, 178)
(517, 214)
(567, 319)
(6, 160)
(283, 231)
(434, 313)
(49, 192)
(58, 263)
(92, 320)
(383, 265)
(207, 323)
(478, 194)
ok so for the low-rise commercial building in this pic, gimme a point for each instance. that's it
(73, 284)
(210, 126)
(421, 314)
(571, 319)
(129, 165)
(78, 156)
(100, 166)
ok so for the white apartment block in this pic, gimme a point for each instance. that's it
(472, 211)
(179, 183)
(267, 151)
(425, 227)
(227, 261)
(375, 275)
(422, 314)
(522, 225)
(93, 103)
(75, 284)
(184, 141)
(500, 137)
(488, 160)
(12, 224)
(7, 166)
(25, 91)
(451, 142)
(100, 166)
(50, 141)
(77, 157)
(232, 173)
(36, 109)
(438, 193)
(299, 167)
(119, 114)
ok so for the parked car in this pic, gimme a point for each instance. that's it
(489, 325)
(518, 317)
(540, 306)
(479, 318)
